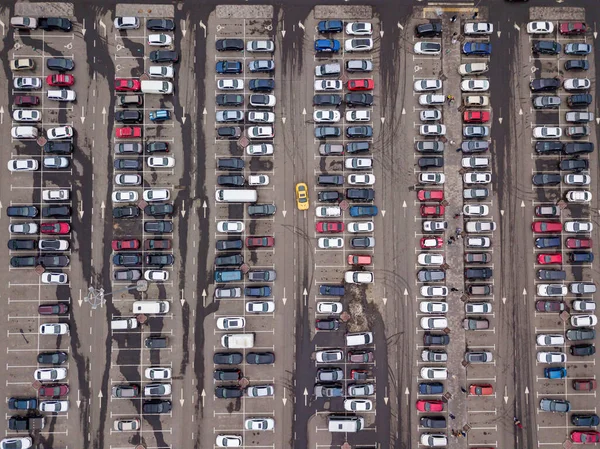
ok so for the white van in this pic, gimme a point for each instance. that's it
(236, 196)
(124, 323)
(157, 87)
(359, 338)
(238, 341)
(151, 307)
(342, 423)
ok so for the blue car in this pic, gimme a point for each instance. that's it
(555, 373)
(330, 26)
(22, 403)
(327, 46)
(160, 115)
(431, 388)
(331, 290)
(226, 67)
(363, 211)
(477, 49)
(547, 242)
(260, 292)
(585, 420)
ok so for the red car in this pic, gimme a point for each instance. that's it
(430, 195)
(431, 242)
(118, 245)
(430, 406)
(432, 211)
(546, 259)
(476, 117)
(481, 389)
(53, 390)
(154, 244)
(256, 242)
(546, 226)
(359, 374)
(127, 85)
(128, 132)
(579, 243)
(584, 384)
(60, 80)
(55, 228)
(549, 306)
(330, 226)
(59, 308)
(572, 28)
(360, 259)
(364, 84)
(588, 436)
(27, 100)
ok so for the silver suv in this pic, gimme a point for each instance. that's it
(262, 275)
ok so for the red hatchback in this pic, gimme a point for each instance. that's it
(579, 243)
(546, 226)
(53, 390)
(430, 195)
(481, 389)
(127, 85)
(60, 80)
(60, 308)
(476, 117)
(55, 228)
(27, 100)
(432, 211)
(364, 84)
(257, 242)
(330, 226)
(128, 132)
(431, 242)
(430, 406)
(572, 28)
(546, 259)
(584, 384)
(588, 436)
(119, 245)
(360, 259)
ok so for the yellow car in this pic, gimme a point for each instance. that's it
(22, 64)
(302, 196)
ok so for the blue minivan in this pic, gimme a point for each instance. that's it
(228, 275)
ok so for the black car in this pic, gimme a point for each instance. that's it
(329, 180)
(156, 406)
(227, 374)
(228, 392)
(231, 180)
(229, 100)
(229, 132)
(232, 163)
(579, 100)
(23, 261)
(55, 24)
(578, 148)
(127, 164)
(22, 211)
(327, 100)
(159, 260)
(224, 245)
(550, 146)
(261, 210)
(260, 358)
(359, 132)
(547, 242)
(360, 194)
(581, 257)
(546, 179)
(229, 44)
(159, 209)
(129, 116)
(56, 211)
(52, 358)
(329, 196)
(156, 342)
(261, 85)
(327, 324)
(574, 164)
(358, 147)
(227, 358)
(60, 64)
(127, 275)
(546, 47)
(582, 350)
(18, 423)
(53, 261)
(362, 242)
(544, 84)
(331, 290)
(127, 259)
(478, 273)
(51, 147)
(429, 146)
(126, 212)
(552, 275)
(22, 245)
(157, 147)
(160, 24)
(433, 422)
(430, 29)
(425, 162)
(234, 259)
(164, 56)
(430, 339)
(577, 64)
(357, 99)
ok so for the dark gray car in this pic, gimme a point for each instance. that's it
(546, 102)
(262, 275)
(330, 374)
(426, 275)
(475, 146)
(429, 146)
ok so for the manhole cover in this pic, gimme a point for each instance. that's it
(564, 315)
(244, 382)
(41, 141)
(142, 319)
(243, 141)
(464, 297)
(245, 268)
(344, 205)
(562, 204)
(39, 269)
(141, 285)
(467, 427)
(447, 330)
(346, 445)
(465, 363)
(142, 204)
(345, 317)
(568, 444)
(144, 76)
(36, 384)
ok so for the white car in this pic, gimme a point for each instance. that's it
(262, 100)
(260, 391)
(359, 28)
(262, 46)
(359, 277)
(261, 117)
(429, 291)
(158, 389)
(434, 373)
(579, 196)
(478, 28)
(540, 27)
(433, 307)
(427, 48)
(23, 165)
(358, 116)
(358, 405)
(151, 195)
(427, 85)
(475, 85)
(584, 320)
(477, 178)
(127, 23)
(577, 84)
(434, 226)
(328, 307)
(156, 373)
(160, 162)
(550, 340)
(124, 196)
(260, 132)
(430, 115)
(328, 85)
(432, 130)
(55, 194)
(360, 226)
(161, 71)
(359, 44)
(328, 211)
(159, 40)
(227, 323)
(480, 226)
(54, 278)
(228, 441)
(258, 180)
(27, 115)
(432, 178)
(431, 99)
(476, 210)
(475, 162)
(473, 68)
(551, 290)
(126, 425)
(54, 406)
(359, 163)
(367, 179)
(435, 322)
(479, 242)
(259, 149)
(551, 357)
(326, 116)
(578, 226)
(547, 132)
(24, 132)
(50, 374)
(577, 179)
(430, 243)
(61, 95)
(54, 329)
(260, 306)
(478, 307)
(27, 83)
(434, 440)
(230, 84)
(330, 242)
(23, 228)
(230, 226)
(259, 424)
(14, 443)
(428, 259)
(61, 132)
(156, 275)
(53, 245)
(329, 356)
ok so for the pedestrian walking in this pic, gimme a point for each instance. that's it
(474, 15)
(458, 149)
(451, 416)
(449, 242)
(453, 289)
(464, 434)
(453, 18)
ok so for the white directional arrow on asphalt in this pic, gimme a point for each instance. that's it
(183, 208)
(284, 399)
(301, 25)
(103, 206)
(283, 28)
(383, 212)
(83, 30)
(385, 398)
(204, 206)
(517, 27)
(181, 401)
(524, 292)
(527, 395)
(104, 116)
(400, 26)
(305, 397)
(505, 394)
(203, 27)
(100, 397)
(403, 111)
(283, 119)
(384, 301)
(78, 401)
(82, 115)
(1, 115)
(183, 30)
(203, 394)
(382, 120)
(183, 117)
(204, 297)
(81, 209)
